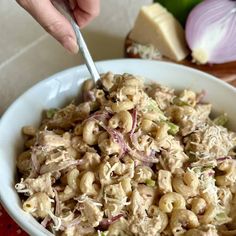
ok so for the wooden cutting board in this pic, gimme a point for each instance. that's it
(226, 72)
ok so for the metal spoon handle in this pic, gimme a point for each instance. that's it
(63, 8)
(85, 52)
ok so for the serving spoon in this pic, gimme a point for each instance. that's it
(64, 9)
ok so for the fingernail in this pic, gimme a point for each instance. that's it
(71, 45)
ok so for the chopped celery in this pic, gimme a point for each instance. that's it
(177, 101)
(221, 120)
(153, 107)
(207, 167)
(150, 183)
(93, 105)
(50, 113)
(173, 128)
(222, 218)
(104, 233)
(197, 169)
(220, 215)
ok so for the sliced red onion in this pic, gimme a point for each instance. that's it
(136, 163)
(59, 188)
(211, 173)
(89, 96)
(125, 148)
(105, 223)
(220, 159)
(57, 203)
(135, 120)
(211, 31)
(45, 221)
(118, 138)
(141, 156)
(134, 140)
(201, 96)
(100, 116)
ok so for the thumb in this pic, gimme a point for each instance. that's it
(52, 21)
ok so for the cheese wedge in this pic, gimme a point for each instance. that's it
(155, 25)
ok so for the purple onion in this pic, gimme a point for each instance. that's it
(211, 31)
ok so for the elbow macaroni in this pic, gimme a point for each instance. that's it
(187, 185)
(131, 159)
(229, 178)
(209, 214)
(182, 219)
(90, 134)
(198, 205)
(72, 178)
(87, 183)
(171, 201)
(123, 119)
(122, 106)
(147, 125)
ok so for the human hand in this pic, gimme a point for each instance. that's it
(56, 24)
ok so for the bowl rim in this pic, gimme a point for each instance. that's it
(3, 198)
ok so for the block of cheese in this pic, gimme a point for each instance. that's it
(155, 25)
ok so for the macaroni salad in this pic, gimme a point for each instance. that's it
(131, 159)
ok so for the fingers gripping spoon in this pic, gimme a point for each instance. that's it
(64, 9)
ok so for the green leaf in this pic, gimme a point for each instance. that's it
(150, 182)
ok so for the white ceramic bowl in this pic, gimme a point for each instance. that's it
(62, 87)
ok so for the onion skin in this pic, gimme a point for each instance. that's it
(211, 32)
